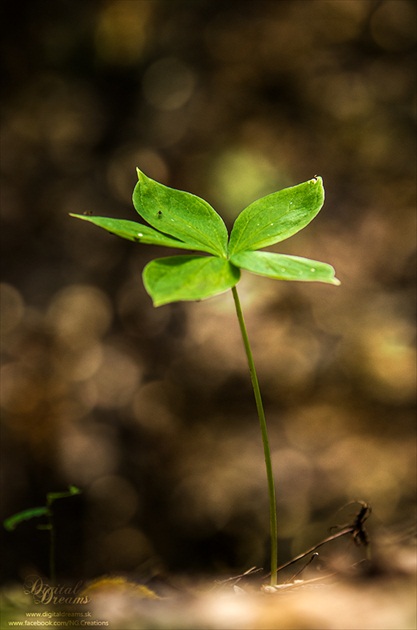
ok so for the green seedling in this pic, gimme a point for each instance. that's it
(181, 220)
(45, 510)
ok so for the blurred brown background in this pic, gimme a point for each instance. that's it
(150, 411)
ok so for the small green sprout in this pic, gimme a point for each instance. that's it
(45, 510)
(181, 220)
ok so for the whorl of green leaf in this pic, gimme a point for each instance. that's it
(180, 220)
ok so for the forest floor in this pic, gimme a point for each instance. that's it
(377, 595)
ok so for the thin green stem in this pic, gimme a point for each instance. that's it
(52, 542)
(264, 431)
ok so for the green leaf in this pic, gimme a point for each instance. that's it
(14, 520)
(181, 215)
(53, 496)
(188, 278)
(276, 217)
(181, 220)
(282, 267)
(133, 231)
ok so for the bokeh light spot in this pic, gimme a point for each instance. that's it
(168, 83)
(12, 307)
(79, 312)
